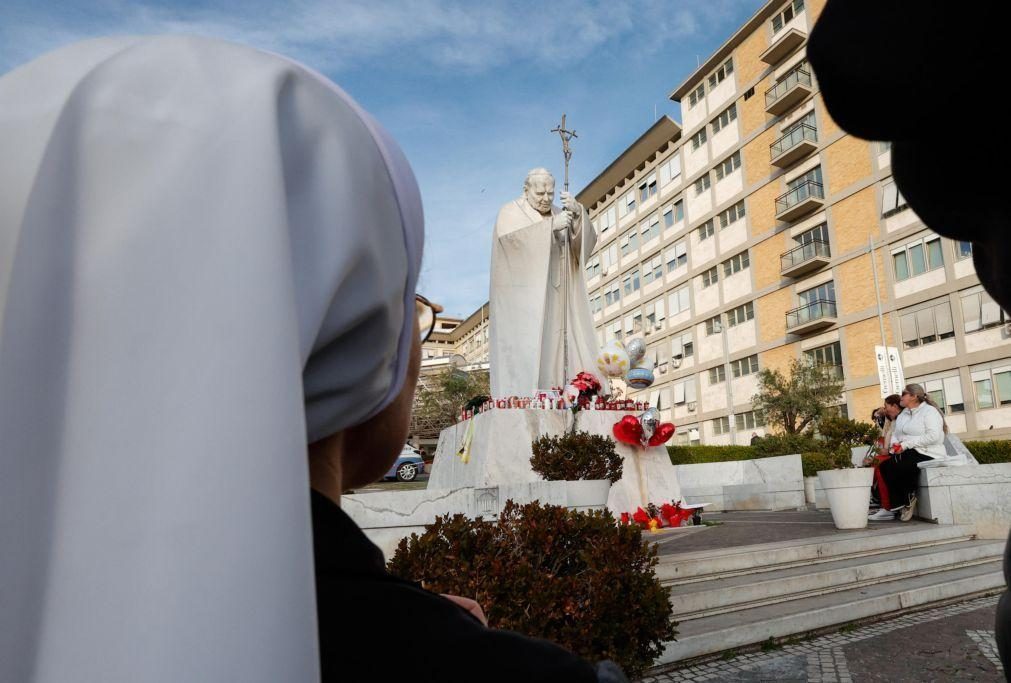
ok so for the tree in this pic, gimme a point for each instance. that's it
(798, 401)
(440, 397)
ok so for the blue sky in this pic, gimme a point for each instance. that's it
(469, 89)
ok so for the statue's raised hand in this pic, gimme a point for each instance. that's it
(570, 204)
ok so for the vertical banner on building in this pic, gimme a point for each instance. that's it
(890, 374)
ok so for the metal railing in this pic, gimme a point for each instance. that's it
(805, 252)
(794, 137)
(805, 190)
(816, 310)
(796, 77)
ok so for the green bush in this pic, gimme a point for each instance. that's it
(576, 455)
(839, 432)
(692, 455)
(990, 452)
(815, 461)
(578, 579)
(785, 444)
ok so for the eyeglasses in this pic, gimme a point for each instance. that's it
(427, 313)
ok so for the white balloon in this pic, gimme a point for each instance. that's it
(636, 350)
(613, 360)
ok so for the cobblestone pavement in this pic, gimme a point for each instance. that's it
(954, 643)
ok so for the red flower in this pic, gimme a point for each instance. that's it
(640, 516)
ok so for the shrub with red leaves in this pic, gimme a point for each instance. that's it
(575, 578)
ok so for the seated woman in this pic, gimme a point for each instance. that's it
(918, 436)
(884, 417)
(208, 264)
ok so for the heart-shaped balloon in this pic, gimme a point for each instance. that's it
(627, 430)
(662, 434)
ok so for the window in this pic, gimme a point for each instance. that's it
(674, 213)
(684, 392)
(749, 420)
(609, 258)
(629, 242)
(682, 346)
(654, 315)
(650, 228)
(670, 169)
(927, 326)
(652, 270)
(710, 277)
(706, 230)
(699, 139)
(963, 250)
(662, 360)
(829, 355)
(717, 375)
(884, 146)
(612, 294)
(702, 184)
(627, 204)
(744, 366)
(812, 176)
(696, 95)
(749, 93)
(633, 323)
(892, 200)
(679, 301)
(947, 394)
(741, 314)
(608, 219)
(648, 188)
(736, 264)
(721, 74)
(993, 387)
(612, 330)
(713, 326)
(593, 267)
(917, 258)
(815, 234)
(787, 15)
(981, 312)
(721, 425)
(596, 304)
(723, 120)
(728, 166)
(825, 292)
(677, 256)
(734, 213)
(630, 283)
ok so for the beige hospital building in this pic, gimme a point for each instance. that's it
(757, 231)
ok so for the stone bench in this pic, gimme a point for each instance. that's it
(775, 483)
(979, 495)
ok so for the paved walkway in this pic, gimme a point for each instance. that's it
(954, 643)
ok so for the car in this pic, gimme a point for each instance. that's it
(408, 466)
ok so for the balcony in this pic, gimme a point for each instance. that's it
(805, 258)
(800, 141)
(814, 316)
(800, 201)
(783, 46)
(789, 92)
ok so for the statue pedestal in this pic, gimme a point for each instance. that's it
(500, 453)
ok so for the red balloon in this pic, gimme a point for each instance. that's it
(663, 432)
(628, 431)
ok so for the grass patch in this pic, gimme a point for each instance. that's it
(770, 645)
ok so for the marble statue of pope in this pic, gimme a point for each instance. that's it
(528, 291)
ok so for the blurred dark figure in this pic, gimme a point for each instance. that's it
(916, 74)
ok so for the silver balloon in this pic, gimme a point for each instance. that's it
(649, 420)
(636, 349)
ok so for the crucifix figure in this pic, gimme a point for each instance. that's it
(542, 331)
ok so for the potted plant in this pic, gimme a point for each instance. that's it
(588, 463)
(811, 463)
(552, 573)
(848, 490)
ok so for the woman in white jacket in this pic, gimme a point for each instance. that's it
(918, 436)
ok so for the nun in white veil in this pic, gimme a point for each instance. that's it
(208, 260)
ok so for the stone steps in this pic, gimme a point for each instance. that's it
(738, 597)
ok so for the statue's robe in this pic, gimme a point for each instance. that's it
(528, 298)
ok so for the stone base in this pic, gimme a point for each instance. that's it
(977, 495)
(775, 483)
(501, 450)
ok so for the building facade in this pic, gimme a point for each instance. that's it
(757, 232)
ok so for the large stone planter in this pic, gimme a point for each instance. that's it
(810, 485)
(587, 494)
(849, 495)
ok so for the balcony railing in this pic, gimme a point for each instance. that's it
(797, 200)
(799, 141)
(819, 311)
(795, 86)
(811, 254)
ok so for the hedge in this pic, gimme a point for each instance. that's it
(694, 455)
(990, 452)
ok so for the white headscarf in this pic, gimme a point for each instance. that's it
(208, 257)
